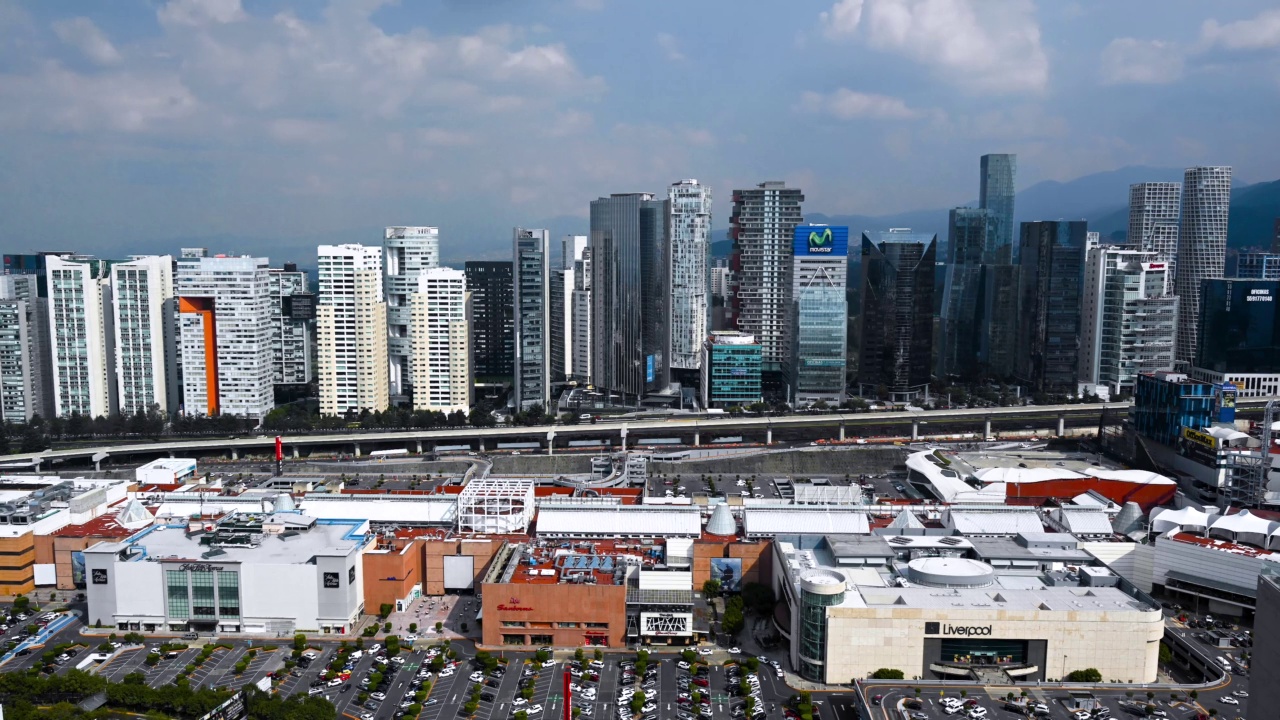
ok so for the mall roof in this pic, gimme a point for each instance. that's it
(172, 542)
(618, 520)
(992, 522)
(1165, 519)
(406, 509)
(1081, 521)
(1053, 599)
(809, 520)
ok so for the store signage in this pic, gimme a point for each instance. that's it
(513, 605)
(934, 628)
(99, 576)
(1259, 296)
(198, 567)
(1196, 436)
(331, 580)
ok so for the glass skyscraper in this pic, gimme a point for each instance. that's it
(1202, 246)
(1239, 326)
(821, 314)
(996, 194)
(1153, 221)
(897, 312)
(531, 264)
(689, 230)
(970, 245)
(1051, 256)
(492, 318)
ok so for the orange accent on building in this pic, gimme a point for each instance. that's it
(1146, 495)
(204, 307)
(756, 564)
(559, 615)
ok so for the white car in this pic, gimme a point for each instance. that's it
(1081, 715)
(446, 672)
(378, 696)
(518, 701)
(335, 682)
(648, 708)
(410, 638)
(374, 648)
(533, 710)
(704, 651)
(735, 650)
(477, 676)
(1240, 693)
(683, 665)
(1228, 700)
(549, 663)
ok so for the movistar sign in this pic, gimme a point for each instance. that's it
(820, 243)
(821, 240)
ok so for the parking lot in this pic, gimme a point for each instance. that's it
(1044, 704)
(759, 486)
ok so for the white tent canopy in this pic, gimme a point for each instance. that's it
(1187, 519)
(1243, 527)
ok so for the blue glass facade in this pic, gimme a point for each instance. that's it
(996, 193)
(1164, 403)
(730, 370)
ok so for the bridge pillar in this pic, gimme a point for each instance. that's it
(551, 442)
(295, 452)
(480, 444)
(841, 432)
(768, 436)
(697, 438)
(355, 449)
(97, 465)
(419, 446)
(624, 439)
(986, 428)
(235, 455)
(915, 429)
(1062, 425)
(171, 454)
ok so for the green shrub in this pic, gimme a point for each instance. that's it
(887, 674)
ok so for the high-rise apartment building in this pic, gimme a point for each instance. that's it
(23, 360)
(563, 285)
(1051, 258)
(351, 338)
(531, 263)
(970, 246)
(580, 327)
(1128, 319)
(146, 349)
(761, 227)
(82, 337)
(629, 295)
(1202, 246)
(440, 331)
(996, 194)
(897, 312)
(407, 253)
(492, 319)
(571, 248)
(1258, 266)
(292, 326)
(1153, 221)
(688, 261)
(820, 269)
(224, 335)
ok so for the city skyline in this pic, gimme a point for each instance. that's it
(184, 120)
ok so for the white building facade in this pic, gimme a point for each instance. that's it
(408, 251)
(580, 324)
(23, 350)
(1154, 209)
(145, 335)
(440, 330)
(351, 336)
(292, 327)
(689, 256)
(80, 338)
(1202, 246)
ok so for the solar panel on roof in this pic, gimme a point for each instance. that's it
(900, 540)
(950, 541)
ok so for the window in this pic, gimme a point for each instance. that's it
(569, 625)
(513, 640)
(541, 640)
(228, 594)
(513, 623)
(176, 584)
(598, 626)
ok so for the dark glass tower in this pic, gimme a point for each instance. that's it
(897, 312)
(970, 245)
(996, 194)
(492, 318)
(1051, 257)
(1239, 326)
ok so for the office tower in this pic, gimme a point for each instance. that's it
(1258, 266)
(970, 245)
(897, 312)
(1051, 258)
(820, 269)
(21, 364)
(1153, 221)
(407, 253)
(629, 295)
(351, 338)
(571, 247)
(146, 351)
(1239, 326)
(82, 338)
(998, 314)
(996, 193)
(688, 259)
(580, 327)
(761, 226)
(563, 284)
(730, 370)
(531, 256)
(224, 335)
(192, 253)
(1264, 656)
(1202, 246)
(293, 313)
(1128, 320)
(440, 331)
(492, 319)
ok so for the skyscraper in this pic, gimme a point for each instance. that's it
(145, 340)
(1202, 246)
(1051, 256)
(563, 284)
(351, 340)
(580, 327)
(970, 245)
(689, 257)
(761, 227)
(629, 294)
(492, 319)
(82, 338)
(1240, 327)
(440, 331)
(293, 312)
(407, 253)
(821, 315)
(1258, 266)
(1153, 221)
(996, 193)
(897, 312)
(224, 335)
(531, 262)
(22, 359)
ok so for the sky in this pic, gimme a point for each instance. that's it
(268, 126)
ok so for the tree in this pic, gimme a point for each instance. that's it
(385, 609)
(758, 598)
(1166, 655)
(711, 588)
(439, 626)
(413, 627)
(578, 655)
(299, 642)
(887, 674)
(599, 654)
(1086, 675)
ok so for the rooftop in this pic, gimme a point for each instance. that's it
(582, 561)
(998, 597)
(1224, 545)
(245, 538)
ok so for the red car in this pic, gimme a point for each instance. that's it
(701, 682)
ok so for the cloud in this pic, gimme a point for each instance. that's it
(303, 132)
(200, 12)
(842, 18)
(81, 34)
(1129, 61)
(571, 122)
(846, 104)
(440, 137)
(985, 46)
(669, 46)
(1258, 33)
(55, 98)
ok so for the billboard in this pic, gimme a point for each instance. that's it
(821, 240)
(300, 306)
(77, 569)
(1227, 402)
(649, 365)
(729, 572)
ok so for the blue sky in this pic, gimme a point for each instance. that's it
(267, 126)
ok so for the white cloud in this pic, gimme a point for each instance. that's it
(987, 46)
(842, 18)
(571, 122)
(670, 47)
(846, 104)
(59, 99)
(81, 34)
(303, 132)
(1258, 33)
(200, 12)
(1127, 61)
(440, 137)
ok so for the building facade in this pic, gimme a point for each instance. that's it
(820, 269)
(629, 295)
(1258, 266)
(292, 326)
(440, 330)
(762, 226)
(1051, 258)
(999, 302)
(81, 338)
(896, 356)
(996, 194)
(24, 359)
(1202, 246)
(581, 325)
(1265, 657)
(1128, 321)
(492, 318)
(224, 336)
(352, 364)
(970, 245)
(531, 264)
(145, 335)
(1239, 326)
(407, 252)
(688, 264)
(1166, 402)
(730, 370)
(1154, 209)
